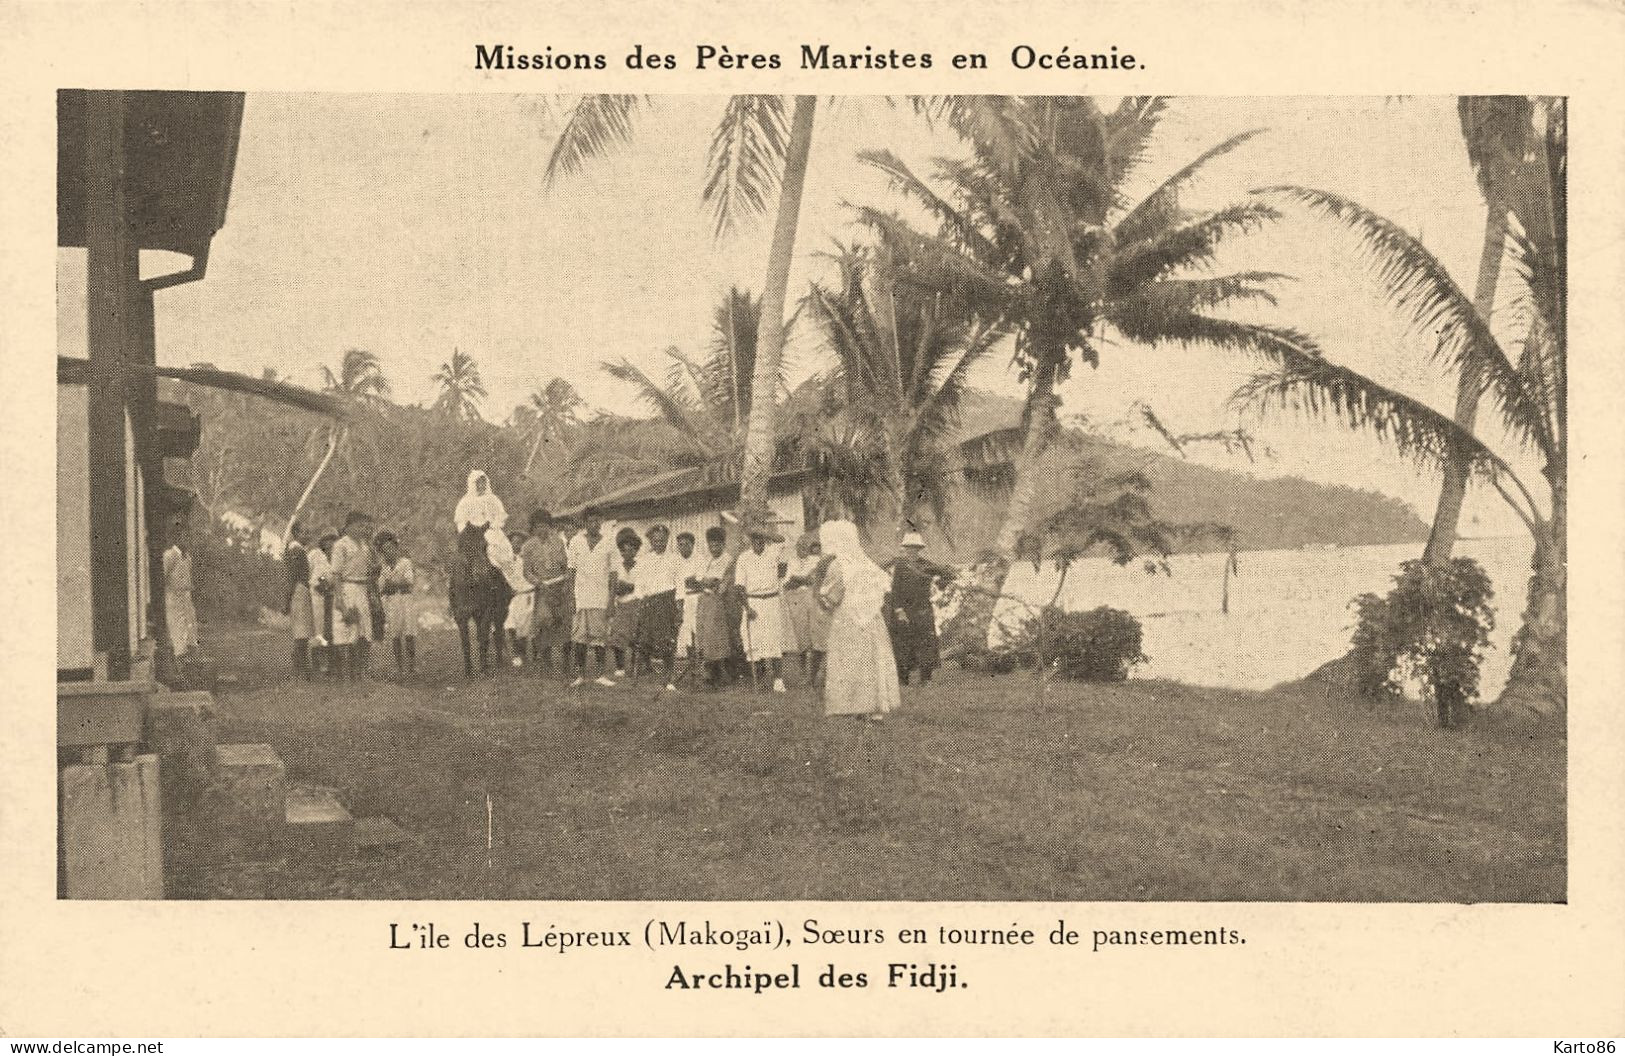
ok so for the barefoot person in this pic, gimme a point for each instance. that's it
(861, 677)
(396, 580)
(660, 575)
(352, 604)
(806, 624)
(757, 581)
(547, 571)
(712, 636)
(590, 556)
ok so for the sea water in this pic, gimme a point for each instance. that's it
(1289, 609)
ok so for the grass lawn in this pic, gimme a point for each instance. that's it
(977, 790)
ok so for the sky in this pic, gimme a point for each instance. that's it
(410, 225)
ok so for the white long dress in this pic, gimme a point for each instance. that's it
(860, 675)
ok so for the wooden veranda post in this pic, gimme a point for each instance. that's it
(113, 264)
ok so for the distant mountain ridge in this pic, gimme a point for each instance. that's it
(1266, 513)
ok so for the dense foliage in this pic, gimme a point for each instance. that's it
(1100, 645)
(1431, 630)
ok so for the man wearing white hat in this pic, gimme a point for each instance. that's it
(909, 613)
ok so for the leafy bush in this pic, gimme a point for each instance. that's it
(1101, 645)
(1432, 629)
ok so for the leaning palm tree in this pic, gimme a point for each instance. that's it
(461, 389)
(1528, 390)
(758, 149)
(1035, 230)
(360, 377)
(1502, 143)
(888, 435)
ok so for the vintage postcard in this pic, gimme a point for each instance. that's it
(937, 520)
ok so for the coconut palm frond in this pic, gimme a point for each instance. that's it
(1319, 389)
(1418, 284)
(746, 160)
(597, 125)
(903, 179)
(673, 407)
(1161, 207)
(997, 126)
(939, 406)
(1189, 245)
(935, 264)
(1129, 128)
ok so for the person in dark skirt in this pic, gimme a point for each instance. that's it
(657, 613)
(910, 615)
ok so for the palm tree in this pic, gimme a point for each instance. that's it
(1529, 391)
(1034, 230)
(360, 377)
(550, 414)
(757, 149)
(706, 403)
(886, 436)
(1501, 138)
(461, 389)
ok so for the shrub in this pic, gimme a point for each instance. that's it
(1101, 645)
(1432, 630)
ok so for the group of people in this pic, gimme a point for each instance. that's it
(590, 602)
(348, 591)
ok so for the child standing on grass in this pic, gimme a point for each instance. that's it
(352, 604)
(522, 605)
(590, 556)
(627, 602)
(297, 607)
(321, 589)
(396, 580)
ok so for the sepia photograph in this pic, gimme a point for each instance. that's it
(972, 498)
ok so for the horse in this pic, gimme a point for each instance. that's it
(479, 593)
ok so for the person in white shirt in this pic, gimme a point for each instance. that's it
(688, 566)
(590, 556)
(658, 581)
(524, 598)
(758, 577)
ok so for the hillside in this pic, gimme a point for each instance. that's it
(1266, 513)
(407, 465)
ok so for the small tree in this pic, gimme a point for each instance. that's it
(1432, 628)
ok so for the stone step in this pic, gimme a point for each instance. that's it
(316, 822)
(245, 807)
(377, 836)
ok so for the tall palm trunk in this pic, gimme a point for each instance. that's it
(1447, 516)
(760, 433)
(1539, 680)
(987, 578)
